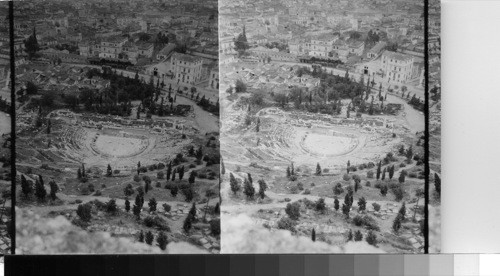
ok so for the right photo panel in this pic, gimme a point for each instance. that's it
(322, 133)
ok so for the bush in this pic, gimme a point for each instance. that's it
(346, 177)
(98, 193)
(325, 170)
(412, 175)
(84, 212)
(370, 165)
(300, 186)
(294, 189)
(307, 192)
(167, 207)
(160, 175)
(137, 178)
(376, 206)
(369, 174)
(116, 171)
(158, 185)
(398, 192)
(402, 165)
(353, 168)
(293, 210)
(366, 221)
(368, 184)
(337, 190)
(156, 221)
(293, 177)
(286, 224)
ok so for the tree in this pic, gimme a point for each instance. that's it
(318, 169)
(174, 190)
(152, 204)
(402, 175)
(383, 173)
(362, 204)
(31, 88)
(350, 235)
(192, 211)
(383, 190)
(379, 169)
(336, 204)
(437, 183)
(31, 46)
(293, 210)
(313, 235)
(235, 186)
(248, 189)
(358, 236)
(169, 170)
(141, 236)
(40, 191)
(402, 211)
(320, 205)
(136, 209)
(241, 43)
(262, 188)
(288, 174)
(149, 238)
(391, 171)
(162, 240)
(109, 171)
(191, 177)
(26, 187)
(111, 206)
(240, 86)
(409, 154)
(187, 223)
(127, 205)
(396, 224)
(181, 172)
(128, 190)
(84, 212)
(345, 210)
(53, 189)
(371, 238)
(222, 167)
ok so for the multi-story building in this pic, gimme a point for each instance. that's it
(213, 78)
(112, 47)
(397, 67)
(187, 69)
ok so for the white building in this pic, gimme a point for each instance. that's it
(187, 69)
(397, 67)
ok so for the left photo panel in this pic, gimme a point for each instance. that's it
(117, 119)
(6, 226)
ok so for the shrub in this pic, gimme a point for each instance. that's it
(369, 174)
(294, 189)
(325, 170)
(402, 165)
(293, 177)
(337, 190)
(116, 171)
(398, 193)
(98, 193)
(84, 212)
(78, 201)
(167, 207)
(412, 175)
(111, 206)
(376, 206)
(368, 184)
(160, 175)
(137, 178)
(307, 192)
(158, 184)
(371, 238)
(370, 165)
(353, 168)
(293, 210)
(286, 224)
(300, 186)
(157, 222)
(366, 221)
(346, 177)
